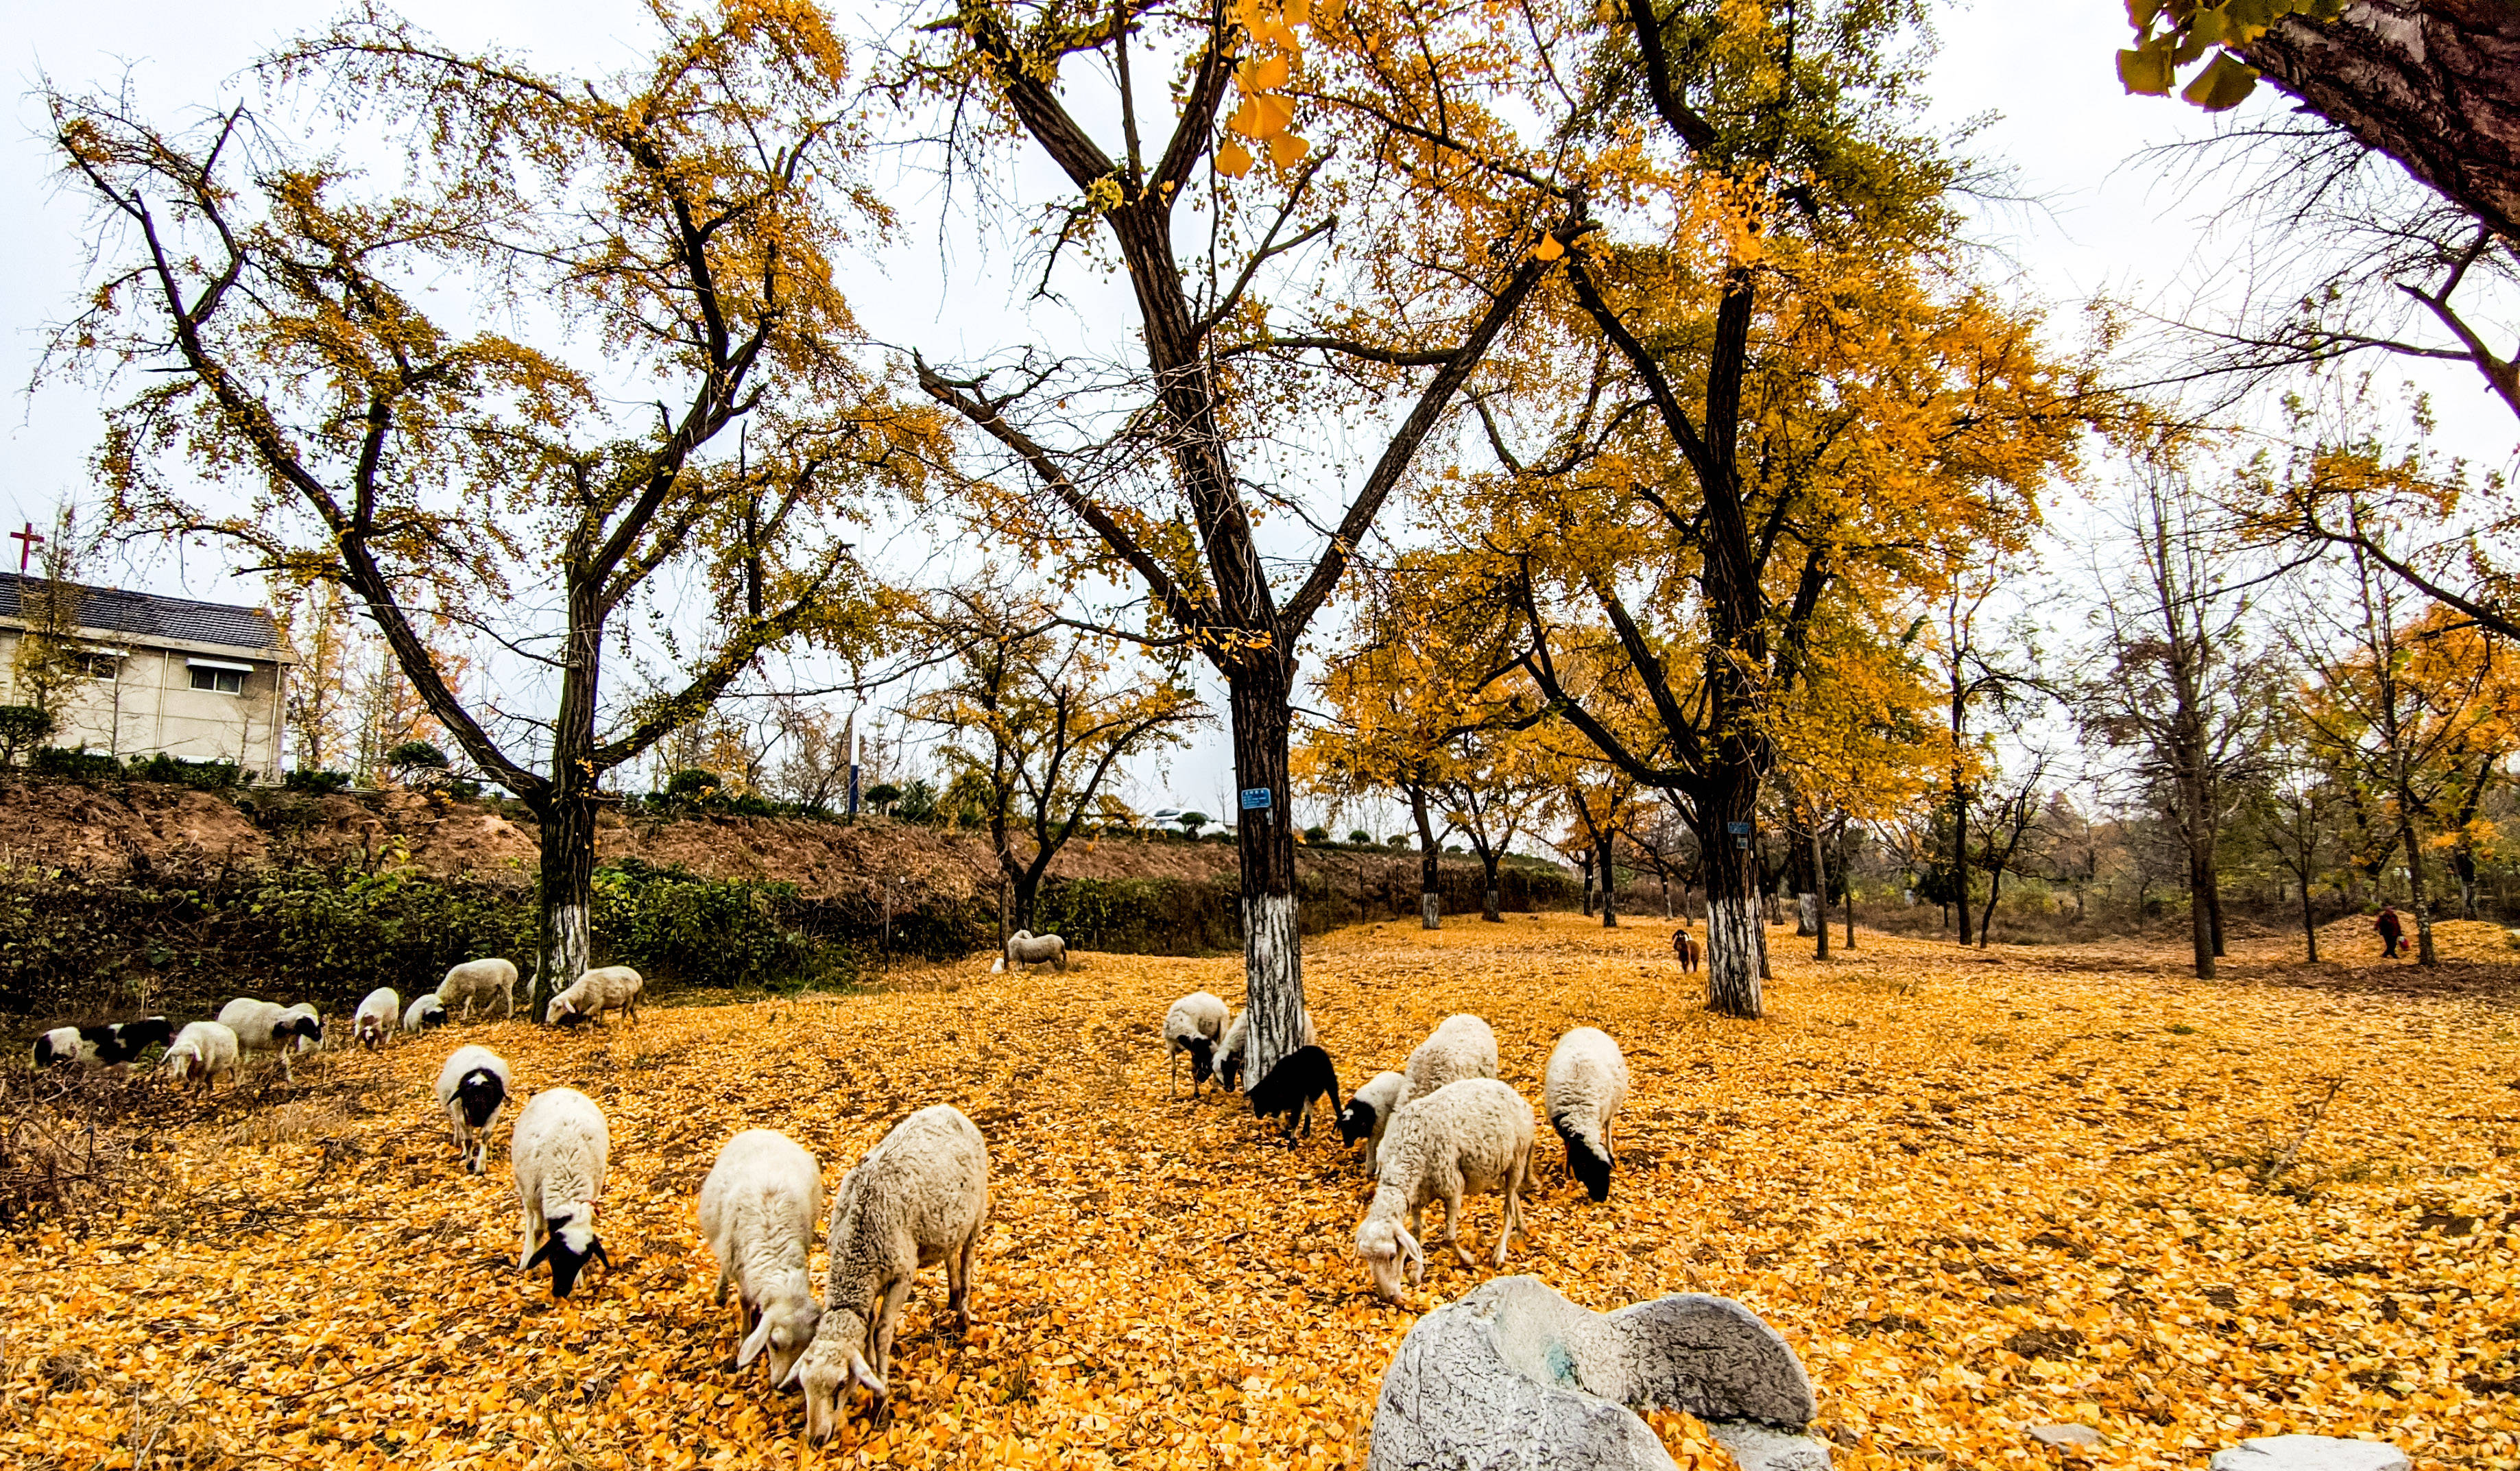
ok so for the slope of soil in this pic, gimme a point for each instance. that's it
(1977, 1194)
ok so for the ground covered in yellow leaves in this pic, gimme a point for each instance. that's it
(1976, 1192)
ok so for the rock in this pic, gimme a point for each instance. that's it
(2065, 1435)
(1513, 1377)
(2310, 1452)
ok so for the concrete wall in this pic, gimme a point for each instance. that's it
(151, 705)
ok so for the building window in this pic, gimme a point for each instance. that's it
(99, 666)
(224, 681)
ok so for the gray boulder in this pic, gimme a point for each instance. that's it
(2310, 1452)
(1513, 1377)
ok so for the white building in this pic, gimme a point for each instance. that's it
(198, 680)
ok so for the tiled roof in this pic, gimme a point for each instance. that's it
(148, 615)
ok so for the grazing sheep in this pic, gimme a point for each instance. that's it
(421, 1015)
(1472, 1136)
(471, 1088)
(372, 1024)
(63, 1045)
(1368, 1114)
(201, 1053)
(1024, 947)
(110, 1045)
(1586, 1083)
(480, 981)
(1192, 1025)
(269, 1027)
(920, 1196)
(1300, 1076)
(558, 1150)
(757, 1212)
(1460, 1047)
(607, 987)
(1233, 1054)
(135, 1037)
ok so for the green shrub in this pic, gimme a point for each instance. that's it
(321, 783)
(23, 728)
(693, 785)
(76, 762)
(675, 926)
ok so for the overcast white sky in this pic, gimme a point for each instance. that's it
(2043, 73)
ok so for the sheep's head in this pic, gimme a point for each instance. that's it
(1202, 1059)
(180, 1065)
(1384, 1245)
(834, 1361)
(569, 1247)
(1588, 1160)
(561, 1012)
(785, 1330)
(1356, 1121)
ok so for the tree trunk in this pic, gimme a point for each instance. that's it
(1802, 847)
(1027, 899)
(2200, 912)
(1732, 932)
(2308, 923)
(1602, 855)
(1819, 887)
(565, 948)
(2433, 85)
(1273, 952)
(1849, 890)
(2212, 897)
(2425, 955)
(1993, 888)
(1584, 861)
(1492, 912)
(1431, 898)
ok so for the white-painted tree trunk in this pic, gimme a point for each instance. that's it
(572, 954)
(1273, 956)
(1735, 946)
(1806, 914)
(1430, 910)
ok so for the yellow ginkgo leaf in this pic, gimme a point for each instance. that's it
(1287, 150)
(1271, 116)
(1548, 249)
(1299, 12)
(1265, 76)
(1232, 160)
(1246, 119)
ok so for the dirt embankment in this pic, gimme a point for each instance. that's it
(153, 826)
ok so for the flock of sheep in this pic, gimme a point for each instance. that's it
(1444, 1127)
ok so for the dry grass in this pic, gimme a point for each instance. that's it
(1977, 1193)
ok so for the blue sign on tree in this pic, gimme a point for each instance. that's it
(1255, 799)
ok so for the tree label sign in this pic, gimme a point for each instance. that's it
(1740, 833)
(1256, 799)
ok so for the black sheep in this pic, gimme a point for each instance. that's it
(1300, 1076)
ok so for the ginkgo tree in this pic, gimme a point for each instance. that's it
(1304, 200)
(409, 388)
(1775, 392)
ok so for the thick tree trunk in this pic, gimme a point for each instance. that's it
(1849, 890)
(1027, 899)
(2434, 85)
(1273, 953)
(2200, 912)
(1734, 937)
(1490, 912)
(1430, 899)
(566, 947)
(1819, 887)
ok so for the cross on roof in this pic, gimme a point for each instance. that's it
(27, 541)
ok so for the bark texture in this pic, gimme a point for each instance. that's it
(2434, 85)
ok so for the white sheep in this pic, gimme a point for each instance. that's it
(607, 987)
(757, 1212)
(1367, 1115)
(423, 1013)
(919, 1197)
(201, 1053)
(1194, 1024)
(1024, 947)
(372, 1024)
(1586, 1083)
(560, 1149)
(1460, 1047)
(1467, 1137)
(270, 1027)
(484, 981)
(472, 1088)
(1233, 1054)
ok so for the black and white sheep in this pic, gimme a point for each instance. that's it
(1467, 1137)
(200, 1053)
(1586, 1083)
(757, 1212)
(1301, 1076)
(1461, 1045)
(270, 1027)
(1024, 947)
(560, 1149)
(480, 983)
(110, 1045)
(472, 1088)
(1234, 1052)
(62, 1046)
(607, 987)
(1193, 1025)
(919, 1197)
(423, 1013)
(1369, 1113)
(372, 1024)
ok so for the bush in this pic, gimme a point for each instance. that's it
(23, 728)
(1317, 835)
(200, 775)
(675, 925)
(413, 755)
(76, 762)
(883, 795)
(917, 803)
(693, 785)
(320, 782)
(1361, 838)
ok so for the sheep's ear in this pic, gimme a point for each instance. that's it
(542, 1253)
(595, 1252)
(753, 1344)
(795, 1372)
(1409, 1245)
(860, 1373)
